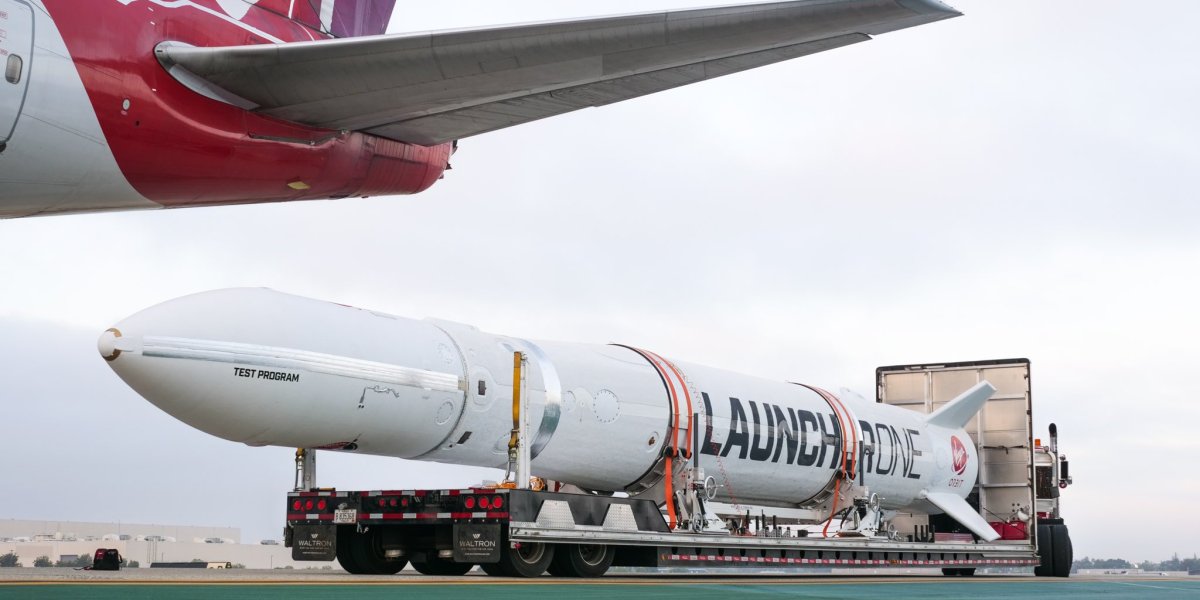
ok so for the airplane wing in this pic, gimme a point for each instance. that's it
(430, 88)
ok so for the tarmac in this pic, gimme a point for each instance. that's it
(312, 584)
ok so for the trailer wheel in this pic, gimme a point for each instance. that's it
(530, 560)
(960, 572)
(1064, 554)
(345, 556)
(582, 560)
(361, 554)
(1045, 548)
(345, 551)
(435, 565)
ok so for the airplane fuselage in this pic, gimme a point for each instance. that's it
(98, 124)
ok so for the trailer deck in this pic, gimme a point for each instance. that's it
(523, 532)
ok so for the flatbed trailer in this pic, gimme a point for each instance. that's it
(525, 533)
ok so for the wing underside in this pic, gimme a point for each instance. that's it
(431, 88)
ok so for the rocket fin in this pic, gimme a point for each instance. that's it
(956, 413)
(960, 511)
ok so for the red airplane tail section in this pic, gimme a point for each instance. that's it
(342, 18)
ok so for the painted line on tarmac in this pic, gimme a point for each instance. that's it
(1158, 587)
(514, 583)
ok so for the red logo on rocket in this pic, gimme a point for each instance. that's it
(960, 455)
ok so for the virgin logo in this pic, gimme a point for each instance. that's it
(236, 8)
(960, 455)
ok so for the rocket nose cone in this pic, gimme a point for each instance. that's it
(108, 344)
(163, 353)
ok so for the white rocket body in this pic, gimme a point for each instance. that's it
(270, 369)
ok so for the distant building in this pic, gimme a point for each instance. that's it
(1130, 572)
(66, 540)
(67, 530)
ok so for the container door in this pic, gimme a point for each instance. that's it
(16, 52)
(1003, 430)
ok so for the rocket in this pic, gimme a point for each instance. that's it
(266, 368)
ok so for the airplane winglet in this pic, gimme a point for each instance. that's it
(958, 412)
(960, 511)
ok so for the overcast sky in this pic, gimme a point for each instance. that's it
(1018, 182)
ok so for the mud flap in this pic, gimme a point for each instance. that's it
(314, 542)
(477, 542)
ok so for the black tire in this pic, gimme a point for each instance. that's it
(1064, 554)
(345, 553)
(1045, 548)
(530, 560)
(588, 560)
(959, 572)
(434, 565)
(361, 553)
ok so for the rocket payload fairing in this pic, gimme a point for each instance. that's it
(271, 369)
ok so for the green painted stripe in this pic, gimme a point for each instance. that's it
(715, 590)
